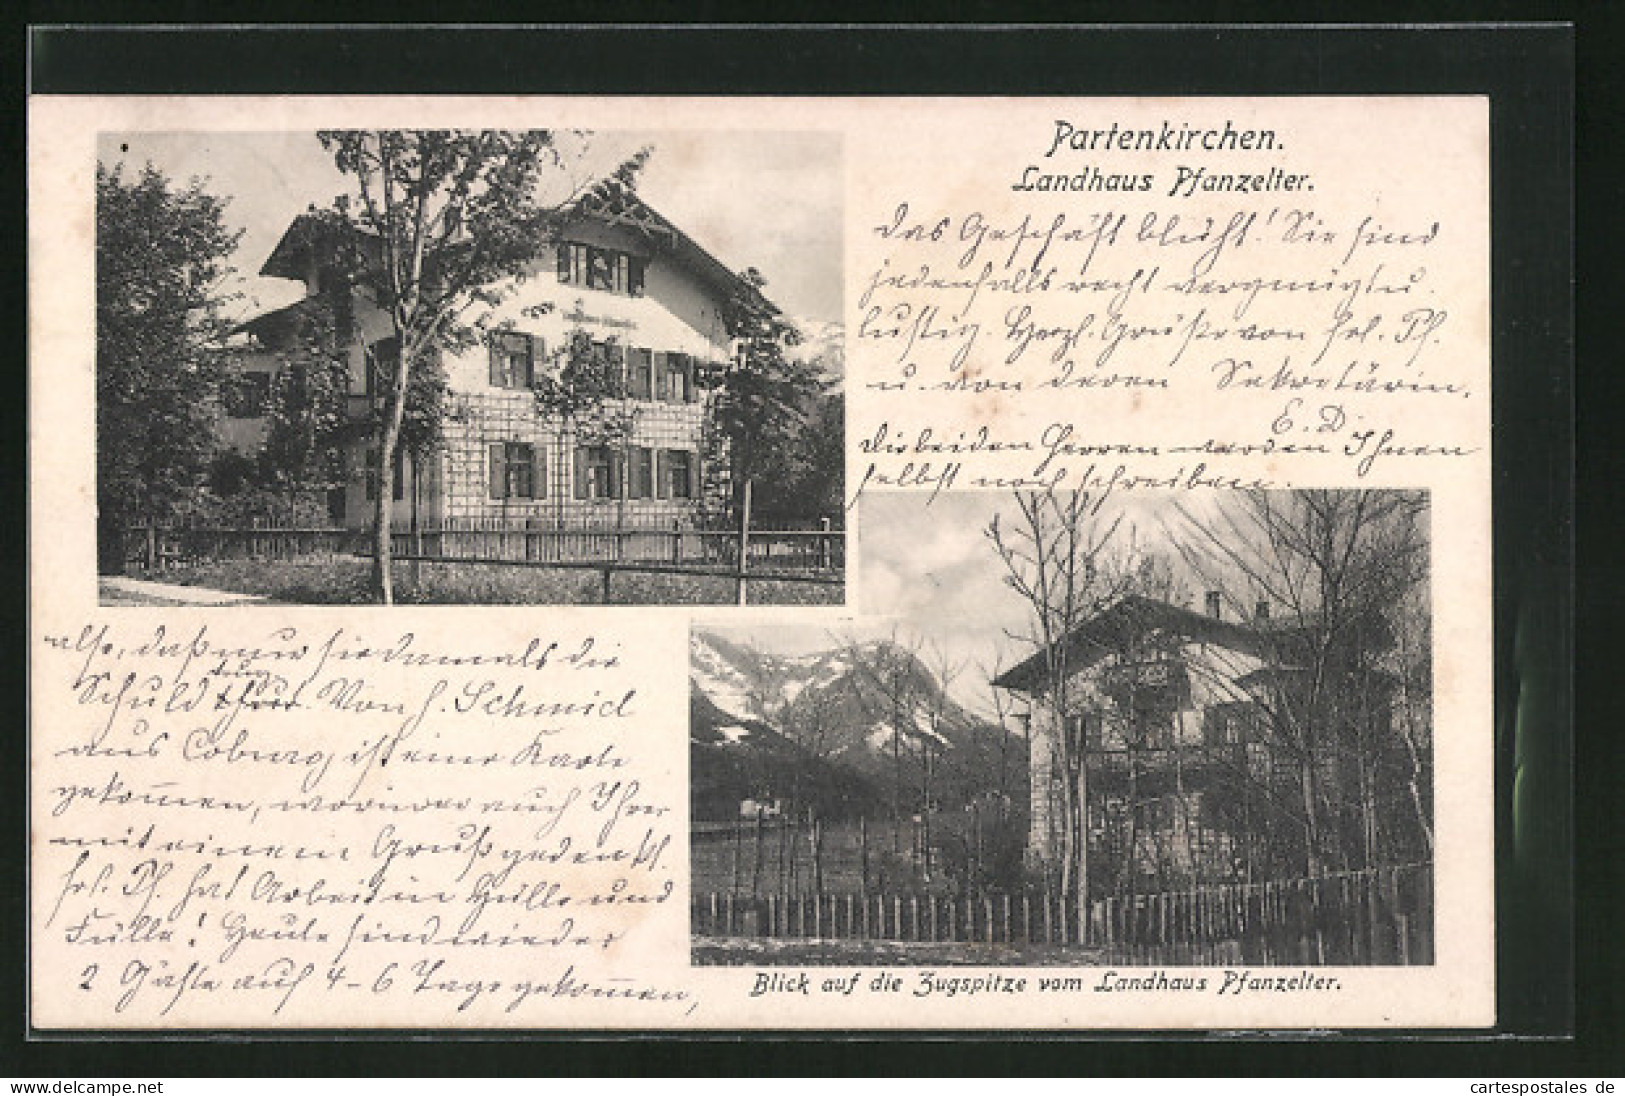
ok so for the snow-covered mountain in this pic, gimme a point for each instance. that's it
(823, 341)
(867, 715)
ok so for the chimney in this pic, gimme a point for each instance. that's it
(1213, 604)
(1262, 611)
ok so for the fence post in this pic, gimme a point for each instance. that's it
(153, 561)
(739, 839)
(818, 855)
(863, 853)
(823, 544)
(756, 871)
(676, 540)
(744, 544)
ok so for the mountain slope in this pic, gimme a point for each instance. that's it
(868, 717)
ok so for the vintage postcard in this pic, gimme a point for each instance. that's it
(760, 564)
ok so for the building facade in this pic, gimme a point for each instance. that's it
(1193, 741)
(622, 277)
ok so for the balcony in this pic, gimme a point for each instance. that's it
(1164, 681)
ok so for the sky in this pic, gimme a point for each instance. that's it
(937, 573)
(768, 200)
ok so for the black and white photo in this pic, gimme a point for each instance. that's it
(1140, 729)
(469, 367)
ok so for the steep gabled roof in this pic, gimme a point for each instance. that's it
(609, 202)
(1131, 616)
(312, 230)
(612, 202)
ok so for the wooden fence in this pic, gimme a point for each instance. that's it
(496, 541)
(1383, 916)
(794, 555)
(165, 547)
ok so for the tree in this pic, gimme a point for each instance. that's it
(1345, 568)
(888, 686)
(161, 258)
(444, 218)
(587, 393)
(307, 418)
(761, 403)
(1054, 556)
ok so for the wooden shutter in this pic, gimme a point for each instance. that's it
(640, 361)
(538, 472)
(646, 472)
(538, 353)
(657, 376)
(662, 474)
(498, 471)
(581, 471)
(674, 372)
(494, 346)
(690, 388)
(617, 474)
(564, 262)
(693, 474)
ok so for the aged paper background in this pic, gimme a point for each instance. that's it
(1395, 183)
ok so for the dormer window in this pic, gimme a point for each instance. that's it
(601, 268)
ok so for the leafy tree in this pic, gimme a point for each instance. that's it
(761, 404)
(587, 392)
(161, 258)
(444, 220)
(307, 417)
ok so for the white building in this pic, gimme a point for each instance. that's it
(623, 275)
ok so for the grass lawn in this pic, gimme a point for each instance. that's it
(342, 580)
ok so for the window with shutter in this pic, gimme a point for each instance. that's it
(662, 474)
(601, 268)
(513, 359)
(680, 470)
(598, 472)
(516, 471)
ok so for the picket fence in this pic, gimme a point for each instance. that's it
(812, 553)
(1382, 916)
